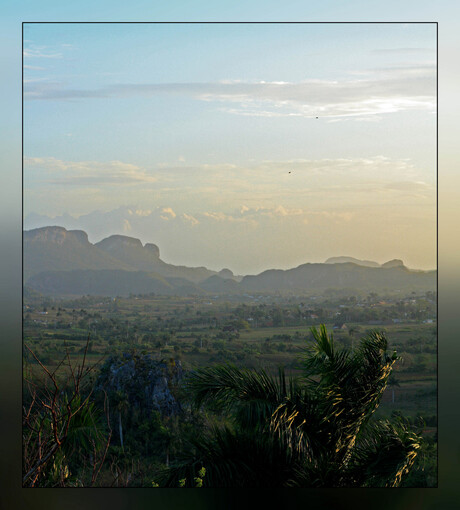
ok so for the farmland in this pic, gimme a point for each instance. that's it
(263, 331)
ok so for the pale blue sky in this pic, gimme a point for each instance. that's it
(146, 128)
(217, 125)
(13, 13)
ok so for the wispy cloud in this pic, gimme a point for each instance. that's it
(378, 92)
(33, 51)
(266, 191)
(168, 213)
(417, 189)
(87, 173)
(33, 68)
(188, 218)
(403, 51)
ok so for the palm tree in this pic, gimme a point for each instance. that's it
(393, 383)
(312, 432)
(250, 398)
(351, 334)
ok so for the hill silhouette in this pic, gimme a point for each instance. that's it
(62, 262)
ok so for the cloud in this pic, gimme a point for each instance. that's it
(254, 179)
(408, 186)
(86, 173)
(127, 226)
(402, 51)
(218, 216)
(378, 91)
(208, 237)
(34, 68)
(140, 212)
(190, 219)
(264, 218)
(41, 52)
(253, 194)
(168, 213)
(278, 214)
(300, 175)
(282, 211)
(411, 188)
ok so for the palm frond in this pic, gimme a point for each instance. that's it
(383, 454)
(251, 395)
(235, 459)
(348, 387)
(315, 434)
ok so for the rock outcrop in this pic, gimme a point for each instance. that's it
(147, 383)
(153, 249)
(393, 263)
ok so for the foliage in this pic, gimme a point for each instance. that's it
(202, 332)
(312, 432)
(62, 428)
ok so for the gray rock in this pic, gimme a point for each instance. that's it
(147, 382)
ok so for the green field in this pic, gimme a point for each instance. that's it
(202, 331)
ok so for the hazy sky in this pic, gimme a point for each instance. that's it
(204, 139)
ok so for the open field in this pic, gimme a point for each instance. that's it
(262, 333)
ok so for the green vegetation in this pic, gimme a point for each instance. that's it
(314, 433)
(134, 444)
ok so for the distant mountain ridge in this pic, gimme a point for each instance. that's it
(365, 263)
(340, 275)
(344, 260)
(130, 251)
(63, 262)
(55, 248)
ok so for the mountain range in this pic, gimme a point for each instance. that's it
(63, 262)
